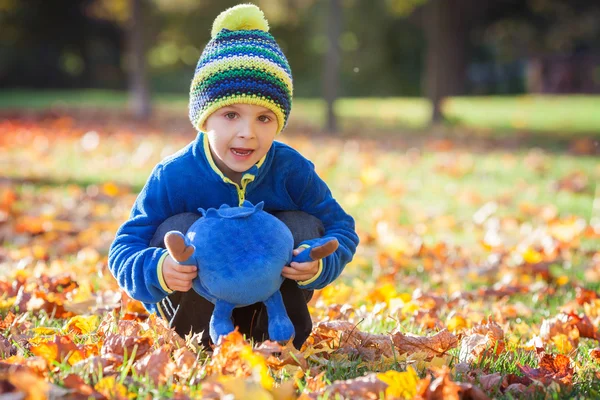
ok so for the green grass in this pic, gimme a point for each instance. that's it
(564, 116)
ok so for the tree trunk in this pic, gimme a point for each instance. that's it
(446, 29)
(139, 94)
(331, 71)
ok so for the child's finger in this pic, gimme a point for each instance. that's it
(180, 285)
(185, 268)
(185, 276)
(291, 273)
(298, 250)
(301, 266)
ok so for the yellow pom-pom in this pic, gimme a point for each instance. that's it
(240, 17)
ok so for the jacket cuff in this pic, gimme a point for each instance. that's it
(314, 278)
(159, 272)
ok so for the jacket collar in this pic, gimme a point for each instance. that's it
(250, 174)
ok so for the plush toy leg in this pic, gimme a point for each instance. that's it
(320, 249)
(179, 248)
(220, 322)
(280, 326)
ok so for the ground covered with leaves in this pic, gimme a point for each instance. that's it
(478, 273)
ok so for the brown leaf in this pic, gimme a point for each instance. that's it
(442, 388)
(345, 336)
(157, 365)
(550, 369)
(119, 345)
(185, 362)
(490, 382)
(79, 386)
(482, 340)
(6, 348)
(584, 325)
(278, 356)
(366, 387)
(435, 345)
(166, 335)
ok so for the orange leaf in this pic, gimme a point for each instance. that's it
(61, 349)
(25, 383)
(550, 369)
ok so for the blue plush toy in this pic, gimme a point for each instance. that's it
(240, 253)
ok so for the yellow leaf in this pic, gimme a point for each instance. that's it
(562, 280)
(410, 308)
(439, 362)
(82, 325)
(456, 323)
(532, 257)
(336, 294)
(562, 342)
(110, 388)
(259, 366)
(243, 389)
(383, 293)
(44, 331)
(110, 189)
(401, 385)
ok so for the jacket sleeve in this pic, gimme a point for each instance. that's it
(314, 197)
(135, 265)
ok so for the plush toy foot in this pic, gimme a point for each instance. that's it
(178, 247)
(281, 328)
(220, 322)
(320, 249)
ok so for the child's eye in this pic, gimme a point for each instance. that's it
(231, 115)
(264, 118)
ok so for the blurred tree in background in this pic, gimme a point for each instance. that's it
(350, 48)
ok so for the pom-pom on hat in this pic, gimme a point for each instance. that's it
(242, 63)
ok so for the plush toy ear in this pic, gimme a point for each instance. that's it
(247, 204)
(210, 213)
(260, 206)
(223, 206)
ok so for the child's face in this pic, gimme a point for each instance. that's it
(239, 136)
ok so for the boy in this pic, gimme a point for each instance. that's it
(240, 99)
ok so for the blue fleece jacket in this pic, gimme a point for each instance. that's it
(189, 179)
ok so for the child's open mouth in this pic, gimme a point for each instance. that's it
(240, 152)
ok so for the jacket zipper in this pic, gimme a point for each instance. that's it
(241, 191)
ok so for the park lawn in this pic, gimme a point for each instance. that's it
(449, 237)
(560, 116)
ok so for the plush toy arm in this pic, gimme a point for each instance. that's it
(320, 249)
(180, 248)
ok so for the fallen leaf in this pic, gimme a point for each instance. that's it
(550, 369)
(435, 345)
(482, 340)
(401, 385)
(156, 365)
(23, 383)
(126, 345)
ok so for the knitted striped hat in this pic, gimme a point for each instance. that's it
(242, 63)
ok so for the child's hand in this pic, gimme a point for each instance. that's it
(300, 271)
(178, 277)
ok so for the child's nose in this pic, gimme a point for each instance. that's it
(246, 131)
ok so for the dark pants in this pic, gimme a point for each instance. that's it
(189, 312)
